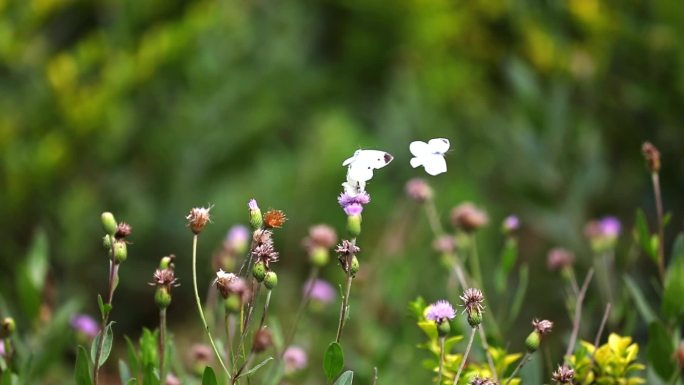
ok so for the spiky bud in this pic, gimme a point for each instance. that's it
(123, 230)
(652, 156)
(259, 271)
(107, 242)
(232, 304)
(198, 218)
(270, 280)
(474, 318)
(120, 251)
(108, 223)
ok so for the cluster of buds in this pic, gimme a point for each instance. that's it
(115, 239)
(473, 300)
(346, 253)
(164, 279)
(541, 328)
(318, 243)
(603, 233)
(563, 375)
(441, 312)
(233, 289)
(262, 250)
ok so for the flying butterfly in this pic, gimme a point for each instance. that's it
(430, 155)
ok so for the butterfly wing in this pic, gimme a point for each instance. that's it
(419, 148)
(349, 161)
(439, 145)
(359, 172)
(374, 159)
(434, 164)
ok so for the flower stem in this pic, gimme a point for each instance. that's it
(199, 305)
(578, 313)
(522, 363)
(230, 327)
(465, 356)
(162, 341)
(441, 360)
(302, 306)
(345, 303)
(661, 226)
(488, 354)
(433, 217)
(113, 278)
(251, 353)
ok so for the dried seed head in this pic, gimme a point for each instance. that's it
(477, 380)
(262, 340)
(164, 277)
(559, 258)
(123, 230)
(274, 219)
(472, 300)
(418, 190)
(468, 217)
(229, 284)
(563, 374)
(347, 248)
(543, 327)
(652, 156)
(198, 219)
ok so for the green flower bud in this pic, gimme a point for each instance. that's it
(232, 304)
(165, 262)
(474, 318)
(443, 329)
(108, 222)
(259, 271)
(162, 297)
(107, 242)
(354, 268)
(271, 280)
(255, 217)
(354, 225)
(8, 327)
(120, 251)
(319, 256)
(532, 342)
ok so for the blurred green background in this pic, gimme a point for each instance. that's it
(149, 108)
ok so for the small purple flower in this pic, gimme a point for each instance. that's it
(253, 204)
(295, 359)
(321, 291)
(83, 323)
(353, 204)
(511, 224)
(610, 227)
(440, 311)
(237, 238)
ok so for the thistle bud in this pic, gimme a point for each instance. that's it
(259, 271)
(162, 297)
(270, 280)
(120, 251)
(255, 218)
(354, 266)
(354, 225)
(319, 256)
(232, 303)
(474, 318)
(198, 218)
(107, 242)
(652, 156)
(262, 340)
(108, 223)
(123, 230)
(166, 262)
(8, 327)
(532, 342)
(443, 329)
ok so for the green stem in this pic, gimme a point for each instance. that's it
(162, 342)
(475, 261)
(465, 356)
(248, 361)
(488, 354)
(199, 305)
(441, 360)
(345, 303)
(113, 277)
(517, 368)
(661, 226)
(302, 306)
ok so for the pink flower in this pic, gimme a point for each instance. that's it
(321, 291)
(295, 359)
(441, 311)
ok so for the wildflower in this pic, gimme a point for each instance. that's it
(198, 219)
(85, 324)
(468, 217)
(563, 375)
(603, 233)
(265, 253)
(541, 328)
(472, 300)
(108, 222)
(172, 380)
(295, 358)
(444, 244)
(229, 283)
(164, 279)
(353, 204)
(236, 239)
(440, 311)
(559, 258)
(347, 248)
(255, 218)
(511, 224)
(262, 340)
(418, 190)
(320, 236)
(274, 219)
(477, 380)
(652, 156)
(123, 230)
(319, 291)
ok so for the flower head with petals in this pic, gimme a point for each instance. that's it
(440, 311)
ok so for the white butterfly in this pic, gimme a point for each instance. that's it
(430, 155)
(361, 165)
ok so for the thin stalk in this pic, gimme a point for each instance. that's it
(302, 306)
(375, 375)
(228, 322)
(475, 261)
(570, 272)
(606, 313)
(661, 226)
(578, 313)
(162, 341)
(441, 360)
(465, 356)
(485, 347)
(433, 217)
(113, 276)
(251, 352)
(345, 303)
(199, 305)
(522, 363)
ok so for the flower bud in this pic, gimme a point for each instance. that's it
(259, 271)
(232, 303)
(262, 340)
(123, 230)
(474, 318)
(107, 242)
(162, 297)
(532, 341)
(166, 261)
(354, 266)
(319, 256)
(443, 329)
(354, 225)
(255, 218)
(270, 280)
(120, 251)
(652, 156)
(8, 327)
(108, 223)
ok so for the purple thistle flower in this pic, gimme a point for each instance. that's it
(295, 359)
(511, 224)
(253, 204)
(321, 291)
(610, 226)
(83, 323)
(440, 311)
(237, 235)
(353, 204)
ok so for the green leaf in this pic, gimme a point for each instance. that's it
(105, 308)
(106, 345)
(643, 235)
(660, 350)
(31, 275)
(132, 381)
(520, 292)
(150, 376)
(509, 254)
(124, 372)
(209, 377)
(429, 328)
(133, 360)
(667, 218)
(642, 305)
(257, 367)
(417, 307)
(450, 342)
(6, 378)
(673, 305)
(82, 369)
(148, 349)
(345, 379)
(333, 360)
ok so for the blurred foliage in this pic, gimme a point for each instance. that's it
(149, 108)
